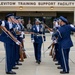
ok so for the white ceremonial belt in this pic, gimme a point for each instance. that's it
(40, 35)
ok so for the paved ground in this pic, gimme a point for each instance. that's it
(29, 67)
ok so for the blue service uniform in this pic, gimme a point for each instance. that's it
(57, 48)
(55, 28)
(37, 41)
(65, 45)
(14, 50)
(17, 47)
(59, 52)
(8, 48)
(19, 27)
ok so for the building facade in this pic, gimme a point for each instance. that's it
(41, 9)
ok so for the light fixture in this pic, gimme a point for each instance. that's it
(21, 7)
(51, 7)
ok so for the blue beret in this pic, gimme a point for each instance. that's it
(63, 19)
(9, 15)
(0, 22)
(55, 19)
(17, 17)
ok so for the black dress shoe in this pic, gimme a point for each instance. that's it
(18, 64)
(15, 67)
(59, 67)
(57, 64)
(38, 62)
(10, 72)
(62, 72)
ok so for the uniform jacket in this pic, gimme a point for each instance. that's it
(35, 37)
(64, 38)
(4, 37)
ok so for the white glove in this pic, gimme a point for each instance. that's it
(72, 25)
(22, 33)
(32, 41)
(18, 42)
(55, 41)
(51, 33)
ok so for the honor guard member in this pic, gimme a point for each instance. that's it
(7, 37)
(22, 30)
(37, 40)
(54, 39)
(10, 19)
(11, 26)
(23, 35)
(16, 47)
(65, 42)
(16, 28)
(57, 44)
(20, 36)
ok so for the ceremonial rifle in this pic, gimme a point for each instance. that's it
(10, 35)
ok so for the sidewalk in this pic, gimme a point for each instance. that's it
(29, 67)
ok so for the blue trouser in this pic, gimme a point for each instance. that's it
(65, 59)
(59, 57)
(18, 49)
(56, 51)
(8, 56)
(17, 53)
(13, 54)
(37, 50)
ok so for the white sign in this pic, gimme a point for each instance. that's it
(38, 3)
